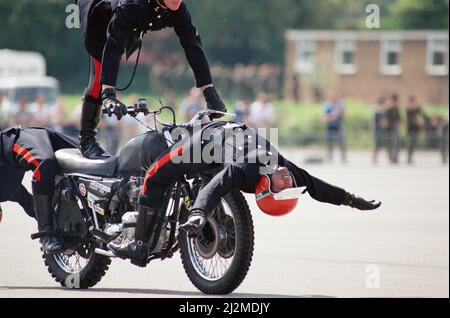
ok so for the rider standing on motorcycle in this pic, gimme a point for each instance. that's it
(112, 27)
(255, 167)
(25, 149)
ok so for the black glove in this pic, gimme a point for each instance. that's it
(360, 203)
(112, 104)
(214, 102)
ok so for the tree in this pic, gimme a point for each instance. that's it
(419, 14)
(40, 26)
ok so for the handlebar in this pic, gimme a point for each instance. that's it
(141, 107)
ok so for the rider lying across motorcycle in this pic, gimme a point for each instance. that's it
(250, 164)
(25, 149)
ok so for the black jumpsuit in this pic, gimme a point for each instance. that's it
(25, 149)
(243, 176)
(109, 31)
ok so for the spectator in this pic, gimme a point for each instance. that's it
(169, 98)
(58, 115)
(432, 132)
(414, 123)
(72, 122)
(242, 111)
(444, 141)
(334, 113)
(109, 132)
(40, 111)
(191, 104)
(23, 117)
(379, 128)
(393, 120)
(262, 112)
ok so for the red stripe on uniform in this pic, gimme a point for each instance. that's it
(160, 163)
(96, 86)
(25, 154)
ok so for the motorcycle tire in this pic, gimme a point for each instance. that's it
(91, 273)
(241, 255)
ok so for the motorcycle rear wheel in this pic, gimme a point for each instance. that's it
(80, 269)
(217, 261)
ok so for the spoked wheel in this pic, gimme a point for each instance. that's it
(80, 268)
(73, 262)
(218, 259)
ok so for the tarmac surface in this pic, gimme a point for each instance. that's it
(319, 250)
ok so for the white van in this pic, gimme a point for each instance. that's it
(23, 75)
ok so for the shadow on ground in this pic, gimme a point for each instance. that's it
(156, 292)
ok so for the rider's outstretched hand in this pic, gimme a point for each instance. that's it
(360, 203)
(214, 102)
(112, 104)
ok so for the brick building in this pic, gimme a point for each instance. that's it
(367, 64)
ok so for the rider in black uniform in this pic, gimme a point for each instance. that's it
(112, 27)
(25, 149)
(240, 167)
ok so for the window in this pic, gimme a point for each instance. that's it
(305, 57)
(437, 57)
(390, 61)
(345, 57)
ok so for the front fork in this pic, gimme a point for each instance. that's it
(187, 195)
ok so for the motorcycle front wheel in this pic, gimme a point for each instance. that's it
(218, 259)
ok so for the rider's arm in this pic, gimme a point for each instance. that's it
(317, 188)
(121, 29)
(191, 42)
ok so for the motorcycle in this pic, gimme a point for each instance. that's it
(95, 203)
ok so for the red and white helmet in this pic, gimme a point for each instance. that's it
(276, 204)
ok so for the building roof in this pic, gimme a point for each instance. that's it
(330, 35)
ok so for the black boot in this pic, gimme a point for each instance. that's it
(195, 223)
(44, 216)
(138, 249)
(90, 118)
(360, 203)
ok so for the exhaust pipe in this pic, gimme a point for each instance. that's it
(104, 253)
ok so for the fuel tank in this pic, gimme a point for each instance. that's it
(139, 154)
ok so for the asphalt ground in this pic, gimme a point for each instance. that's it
(319, 250)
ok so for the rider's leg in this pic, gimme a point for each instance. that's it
(138, 249)
(60, 141)
(159, 177)
(90, 116)
(33, 151)
(210, 196)
(148, 211)
(25, 199)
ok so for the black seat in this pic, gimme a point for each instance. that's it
(72, 161)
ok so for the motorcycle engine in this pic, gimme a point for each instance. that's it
(134, 186)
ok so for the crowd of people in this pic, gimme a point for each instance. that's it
(430, 132)
(389, 122)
